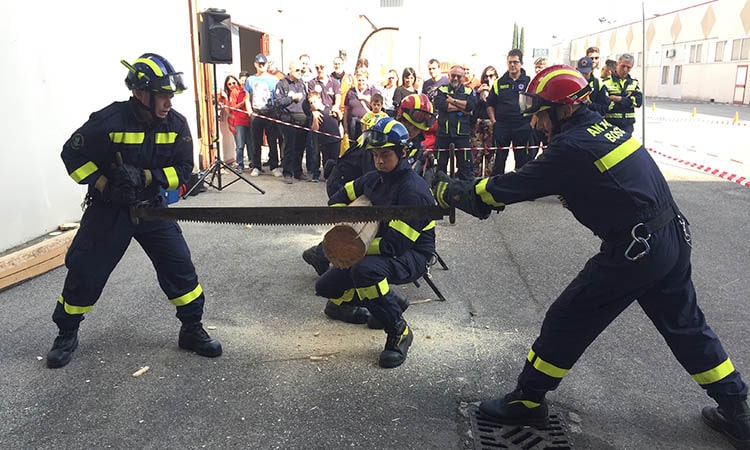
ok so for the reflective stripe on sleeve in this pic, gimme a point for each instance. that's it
(404, 228)
(187, 298)
(620, 152)
(718, 373)
(374, 247)
(173, 181)
(486, 197)
(349, 188)
(84, 171)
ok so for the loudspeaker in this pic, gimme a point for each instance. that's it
(215, 37)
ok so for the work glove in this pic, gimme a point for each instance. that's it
(459, 194)
(131, 175)
(119, 193)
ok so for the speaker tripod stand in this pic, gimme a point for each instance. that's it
(215, 169)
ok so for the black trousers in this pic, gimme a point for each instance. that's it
(661, 284)
(100, 243)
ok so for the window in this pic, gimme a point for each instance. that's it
(639, 59)
(720, 51)
(665, 75)
(740, 49)
(695, 53)
(677, 78)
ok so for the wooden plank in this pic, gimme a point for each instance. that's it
(34, 260)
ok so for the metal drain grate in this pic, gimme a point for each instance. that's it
(490, 435)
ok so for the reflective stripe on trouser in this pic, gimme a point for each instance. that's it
(607, 285)
(368, 281)
(101, 241)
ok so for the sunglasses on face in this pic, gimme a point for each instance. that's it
(491, 75)
(320, 67)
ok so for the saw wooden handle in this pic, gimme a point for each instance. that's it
(347, 243)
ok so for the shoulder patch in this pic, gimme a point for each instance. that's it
(76, 141)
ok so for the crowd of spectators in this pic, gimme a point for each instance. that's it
(345, 104)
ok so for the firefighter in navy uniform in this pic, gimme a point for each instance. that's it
(400, 250)
(128, 154)
(613, 187)
(415, 112)
(454, 103)
(624, 94)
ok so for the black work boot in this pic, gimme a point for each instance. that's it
(62, 349)
(403, 303)
(347, 313)
(193, 337)
(731, 417)
(312, 257)
(396, 346)
(516, 409)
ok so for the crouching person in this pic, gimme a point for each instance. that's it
(400, 250)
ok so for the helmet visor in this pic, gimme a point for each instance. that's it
(531, 103)
(420, 118)
(375, 139)
(174, 83)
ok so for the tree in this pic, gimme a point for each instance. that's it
(520, 41)
(515, 36)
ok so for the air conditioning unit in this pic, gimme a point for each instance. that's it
(671, 52)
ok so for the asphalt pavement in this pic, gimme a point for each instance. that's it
(292, 379)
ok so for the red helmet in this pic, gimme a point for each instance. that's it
(417, 110)
(554, 85)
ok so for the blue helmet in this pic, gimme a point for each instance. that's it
(387, 132)
(153, 73)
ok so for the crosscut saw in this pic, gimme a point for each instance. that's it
(291, 215)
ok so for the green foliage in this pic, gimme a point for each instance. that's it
(515, 36)
(520, 41)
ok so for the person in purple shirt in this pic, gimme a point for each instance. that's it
(437, 79)
(357, 103)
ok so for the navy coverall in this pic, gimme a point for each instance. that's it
(610, 184)
(510, 124)
(166, 148)
(399, 252)
(454, 127)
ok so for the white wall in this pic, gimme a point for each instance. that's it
(61, 61)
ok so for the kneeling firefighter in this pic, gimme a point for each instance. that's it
(400, 250)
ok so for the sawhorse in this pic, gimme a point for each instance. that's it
(427, 277)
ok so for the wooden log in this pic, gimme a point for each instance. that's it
(347, 243)
(34, 260)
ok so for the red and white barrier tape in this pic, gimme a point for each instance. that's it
(426, 150)
(702, 120)
(741, 180)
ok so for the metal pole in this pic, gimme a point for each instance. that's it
(643, 71)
